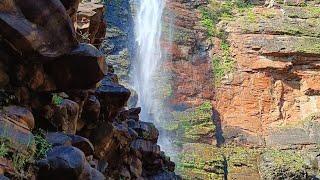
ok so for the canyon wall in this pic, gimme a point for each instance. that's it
(63, 112)
(265, 107)
(275, 85)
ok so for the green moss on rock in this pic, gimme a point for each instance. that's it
(282, 164)
(193, 124)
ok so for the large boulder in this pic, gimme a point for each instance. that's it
(65, 116)
(148, 149)
(62, 162)
(108, 137)
(21, 114)
(91, 110)
(62, 139)
(90, 173)
(14, 129)
(146, 131)
(37, 28)
(82, 68)
(113, 97)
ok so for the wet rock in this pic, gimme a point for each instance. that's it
(22, 95)
(133, 133)
(96, 175)
(125, 173)
(32, 76)
(107, 138)
(112, 97)
(122, 135)
(62, 162)
(66, 116)
(23, 115)
(29, 26)
(134, 113)
(80, 97)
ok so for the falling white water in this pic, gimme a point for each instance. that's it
(148, 35)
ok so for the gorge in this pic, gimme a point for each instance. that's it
(159, 89)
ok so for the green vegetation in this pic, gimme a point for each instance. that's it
(56, 99)
(206, 161)
(194, 123)
(217, 11)
(22, 156)
(3, 150)
(281, 164)
(42, 146)
(223, 63)
(209, 162)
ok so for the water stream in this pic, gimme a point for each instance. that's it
(149, 75)
(148, 35)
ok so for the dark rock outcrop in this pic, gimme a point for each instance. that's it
(63, 112)
(62, 162)
(37, 29)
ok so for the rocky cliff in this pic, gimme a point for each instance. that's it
(63, 112)
(256, 66)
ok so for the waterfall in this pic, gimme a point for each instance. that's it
(148, 35)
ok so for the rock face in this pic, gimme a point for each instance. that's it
(34, 37)
(119, 42)
(269, 100)
(188, 54)
(90, 23)
(63, 112)
(276, 79)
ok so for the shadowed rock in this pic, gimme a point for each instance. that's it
(37, 28)
(14, 129)
(23, 115)
(80, 69)
(112, 97)
(63, 162)
(91, 110)
(90, 173)
(72, 8)
(62, 139)
(66, 116)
